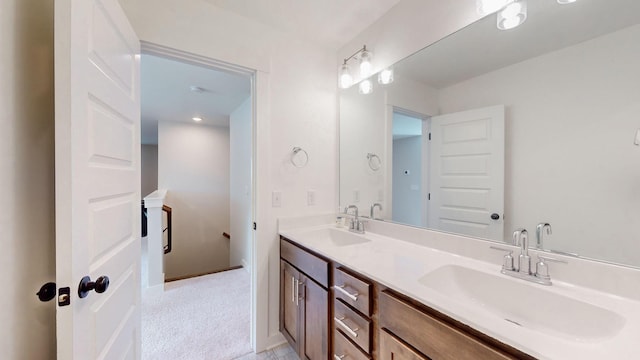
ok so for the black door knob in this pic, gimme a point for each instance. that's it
(86, 285)
(495, 216)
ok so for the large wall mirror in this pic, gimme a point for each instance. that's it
(488, 131)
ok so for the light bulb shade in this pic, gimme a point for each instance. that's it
(385, 76)
(513, 15)
(485, 7)
(566, 1)
(345, 80)
(365, 64)
(365, 87)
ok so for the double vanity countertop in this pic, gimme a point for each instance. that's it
(562, 321)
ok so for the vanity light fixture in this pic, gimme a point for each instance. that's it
(345, 80)
(365, 87)
(563, 2)
(512, 15)
(196, 118)
(485, 7)
(385, 77)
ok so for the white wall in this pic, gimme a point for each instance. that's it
(193, 165)
(149, 169)
(570, 126)
(407, 195)
(240, 191)
(27, 243)
(296, 106)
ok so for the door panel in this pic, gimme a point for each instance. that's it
(393, 349)
(315, 320)
(97, 178)
(289, 309)
(467, 172)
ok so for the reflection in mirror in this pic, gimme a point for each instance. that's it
(529, 126)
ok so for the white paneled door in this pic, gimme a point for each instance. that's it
(467, 173)
(97, 180)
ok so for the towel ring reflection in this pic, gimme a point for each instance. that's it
(299, 157)
(374, 161)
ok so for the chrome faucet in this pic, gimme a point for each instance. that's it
(541, 229)
(373, 208)
(523, 271)
(355, 224)
(521, 238)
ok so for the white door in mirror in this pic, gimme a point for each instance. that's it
(467, 172)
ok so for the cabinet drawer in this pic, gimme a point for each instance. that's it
(352, 291)
(313, 266)
(353, 325)
(393, 349)
(343, 349)
(431, 336)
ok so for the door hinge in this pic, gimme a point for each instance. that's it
(255, 226)
(429, 136)
(429, 196)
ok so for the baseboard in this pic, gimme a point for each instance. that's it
(155, 290)
(202, 274)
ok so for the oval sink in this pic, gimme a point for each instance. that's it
(334, 237)
(525, 305)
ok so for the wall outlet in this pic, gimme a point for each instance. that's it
(356, 195)
(311, 197)
(276, 199)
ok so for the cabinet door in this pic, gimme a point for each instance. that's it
(315, 321)
(392, 349)
(290, 304)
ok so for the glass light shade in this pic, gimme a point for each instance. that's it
(365, 87)
(485, 7)
(345, 78)
(566, 1)
(385, 77)
(365, 64)
(513, 15)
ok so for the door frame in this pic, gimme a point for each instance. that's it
(148, 48)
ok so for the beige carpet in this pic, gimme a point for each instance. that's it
(203, 318)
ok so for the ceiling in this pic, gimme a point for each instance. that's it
(405, 126)
(481, 47)
(329, 22)
(166, 94)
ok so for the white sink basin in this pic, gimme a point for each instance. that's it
(530, 306)
(334, 237)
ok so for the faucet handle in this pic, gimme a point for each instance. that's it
(507, 260)
(542, 269)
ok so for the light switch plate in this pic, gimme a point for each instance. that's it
(276, 199)
(311, 197)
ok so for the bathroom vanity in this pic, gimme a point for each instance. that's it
(375, 296)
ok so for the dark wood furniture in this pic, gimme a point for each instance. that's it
(368, 320)
(304, 301)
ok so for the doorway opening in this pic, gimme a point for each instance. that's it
(197, 143)
(409, 192)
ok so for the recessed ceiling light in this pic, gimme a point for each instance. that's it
(196, 118)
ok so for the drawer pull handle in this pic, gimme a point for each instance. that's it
(338, 357)
(351, 296)
(340, 321)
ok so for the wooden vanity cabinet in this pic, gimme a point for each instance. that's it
(330, 312)
(410, 330)
(304, 301)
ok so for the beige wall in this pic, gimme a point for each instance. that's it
(149, 169)
(27, 245)
(194, 168)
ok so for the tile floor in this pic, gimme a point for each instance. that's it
(282, 352)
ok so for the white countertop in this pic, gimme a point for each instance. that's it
(400, 265)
